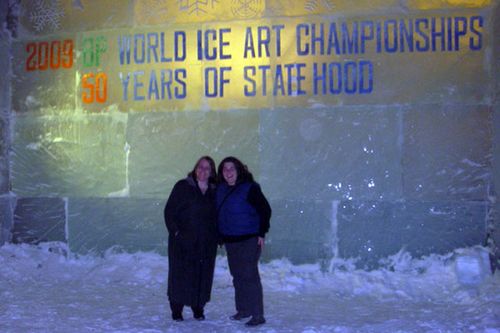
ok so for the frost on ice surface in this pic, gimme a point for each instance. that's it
(310, 129)
(46, 13)
(47, 289)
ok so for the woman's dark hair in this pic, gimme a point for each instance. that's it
(213, 175)
(242, 170)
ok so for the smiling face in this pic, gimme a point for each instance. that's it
(203, 171)
(230, 174)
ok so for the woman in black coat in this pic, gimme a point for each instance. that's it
(190, 217)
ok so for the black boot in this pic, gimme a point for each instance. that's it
(198, 313)
(255, 321)
(177, 316)
(239, 316)
(176, 309)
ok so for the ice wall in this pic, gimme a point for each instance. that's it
(410, 164)
(495, 216)
(6, 200)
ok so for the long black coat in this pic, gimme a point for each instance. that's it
(191, 218)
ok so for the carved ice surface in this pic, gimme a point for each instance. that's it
(409, 167)
(125, 192)
(310, 129)
(472, 266)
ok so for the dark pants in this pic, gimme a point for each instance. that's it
(243, 258)
(177, 308)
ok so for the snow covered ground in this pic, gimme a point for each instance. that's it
(42, 289)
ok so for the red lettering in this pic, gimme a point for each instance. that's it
(68, 53)
(55, 52)
(30, 63)
(42, 56)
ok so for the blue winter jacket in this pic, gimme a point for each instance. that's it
(236, 215)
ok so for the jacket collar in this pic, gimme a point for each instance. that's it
(192, 182)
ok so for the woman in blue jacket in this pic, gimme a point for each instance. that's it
(243, 221)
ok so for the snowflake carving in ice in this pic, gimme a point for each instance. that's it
(312, 5)
(46, 13)
(247, 8)
(155, 9)
(196, 6)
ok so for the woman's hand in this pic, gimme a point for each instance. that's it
(261, 242)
